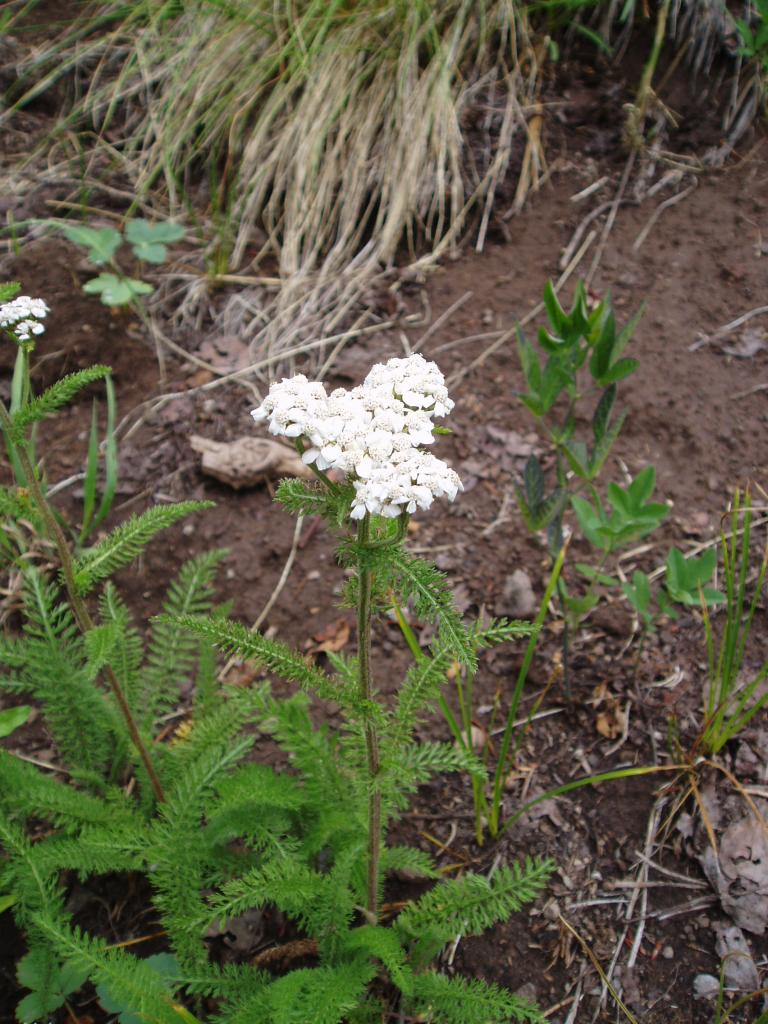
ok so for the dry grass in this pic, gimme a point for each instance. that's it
(327, 135)
(312, 143)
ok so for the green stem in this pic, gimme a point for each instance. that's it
(501, 763)
(82, 615)
(364, 608)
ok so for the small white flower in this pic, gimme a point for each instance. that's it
(21, 316)
(374, 433)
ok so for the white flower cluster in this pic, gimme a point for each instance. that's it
(374, 433)
(22, 316)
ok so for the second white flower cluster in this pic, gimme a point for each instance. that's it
(375, 433)
(22, 316)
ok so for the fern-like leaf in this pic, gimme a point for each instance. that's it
(128, 540)
(207, 733)
(438, 999)
(230, 980)
(418, 579)
(307, 499)
(286, 883)
(384, 945)
(55, 672)
(35, 891)
(28, 792)
(473, 903)
(409, 861)
(133, 983)
(53, 399)
(173, 653)
(181, 854)
(320, 995)
(420, 688)
(234, 638)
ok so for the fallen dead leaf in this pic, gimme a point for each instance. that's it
(198, 378)
(612, 722)
(750, 342)
(331, 639)
(479, 737)
(738, 870)
(739, 970)
(227, 352)
(248, 461)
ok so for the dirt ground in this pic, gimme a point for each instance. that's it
(696, 410)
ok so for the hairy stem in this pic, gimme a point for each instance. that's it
(371, 737)
(79, 608)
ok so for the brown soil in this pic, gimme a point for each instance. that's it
(696, 414)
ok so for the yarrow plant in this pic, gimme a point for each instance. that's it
(21, 319)
(373, 433)
(217, 835)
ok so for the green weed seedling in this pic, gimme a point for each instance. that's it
(50, 983)
(754, 39)
(731, 701)
(215, 833)
(148, 242)
(579, 365)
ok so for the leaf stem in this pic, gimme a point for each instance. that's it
(364, 609)
(79, 609)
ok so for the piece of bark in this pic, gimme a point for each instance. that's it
(248, 461)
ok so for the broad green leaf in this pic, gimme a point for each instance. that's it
(7, 900)
(578, 607)
(148, 240)
(602, 414)
(642, 486)
(50, 984)
(13, 718)
(139, 230)
(590, 521)
(578, 458)
(550, 343)
(591, 573)
(555, 312)
(620, 369)
(529, 362)
(556, 377)
(619, 499)
(116, 291)
(533, 480)
(101, 243)
(550, 508)
(603, 447)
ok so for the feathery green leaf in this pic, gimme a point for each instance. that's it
(52, 399)
(128, 540)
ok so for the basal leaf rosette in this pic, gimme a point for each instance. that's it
(376, 433)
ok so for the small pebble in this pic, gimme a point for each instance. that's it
(668, 953)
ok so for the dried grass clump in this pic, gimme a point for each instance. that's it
(327, 131)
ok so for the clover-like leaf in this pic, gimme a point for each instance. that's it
(117, 291)
(50, 982)
(101, 243)
(148, 240)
